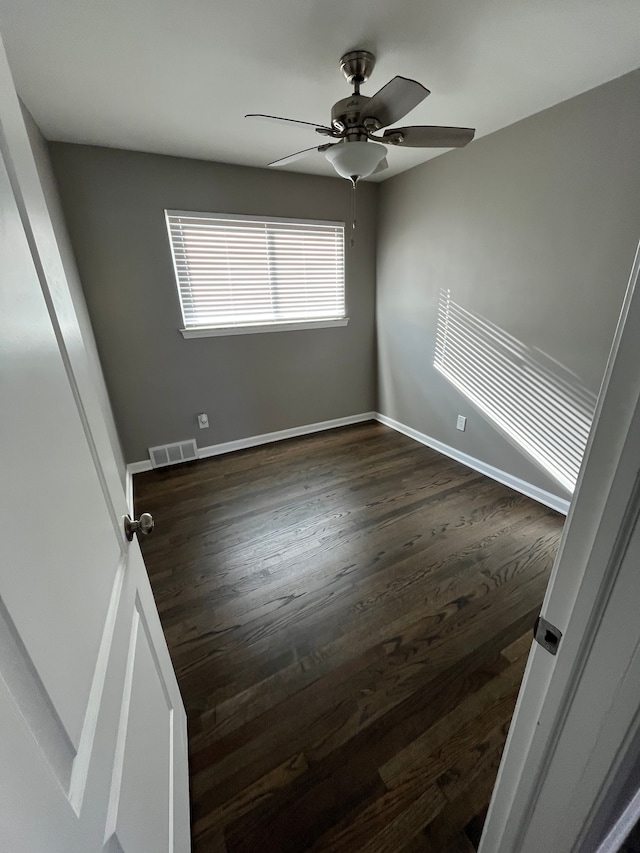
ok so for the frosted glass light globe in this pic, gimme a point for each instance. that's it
(356, 159)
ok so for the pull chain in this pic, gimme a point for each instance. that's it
(354, 182)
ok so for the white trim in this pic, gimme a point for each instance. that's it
(264, 438)
(280, 435)
(252, 217)
(138, 468)
(547, 498)
(218, 331)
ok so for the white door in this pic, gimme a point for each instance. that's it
(577, 720)
(93, 752)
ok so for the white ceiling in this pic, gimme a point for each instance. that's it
(177, 77)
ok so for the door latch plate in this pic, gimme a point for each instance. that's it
(547, 635)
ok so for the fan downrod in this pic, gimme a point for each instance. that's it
(357, 66)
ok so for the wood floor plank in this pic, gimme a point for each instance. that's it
(349, 614)
(520, 648)
(418, 844)
(379, 536)
(252, 796)
(398, 599)
(356, 764)
(393, 832)
(404, 761)
(461, 810)
(459, 844)
(358, 696)
(424, 791)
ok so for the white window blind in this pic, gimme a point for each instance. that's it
(235, 271)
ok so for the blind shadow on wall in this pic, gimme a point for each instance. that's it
(538, 403)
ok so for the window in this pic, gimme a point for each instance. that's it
(238, 274)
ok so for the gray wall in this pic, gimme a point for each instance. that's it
(533, 231)
(248, 384)
(43, 163)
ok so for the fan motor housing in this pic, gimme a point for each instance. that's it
(347, 112)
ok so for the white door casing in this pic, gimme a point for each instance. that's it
(577, 713)
(92, 725)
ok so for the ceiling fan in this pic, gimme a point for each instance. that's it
(357, 151)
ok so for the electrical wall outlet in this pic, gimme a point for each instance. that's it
(461, 423)
(203, 421)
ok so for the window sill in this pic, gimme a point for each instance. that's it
(219, 331)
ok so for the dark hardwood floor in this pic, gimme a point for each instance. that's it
(349, 615)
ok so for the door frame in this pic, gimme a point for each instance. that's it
(531, 786)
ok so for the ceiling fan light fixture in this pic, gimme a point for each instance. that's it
(355, 160)
(355, 119)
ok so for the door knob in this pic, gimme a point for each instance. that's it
(143, 525)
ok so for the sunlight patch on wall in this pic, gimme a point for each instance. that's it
(540, 405)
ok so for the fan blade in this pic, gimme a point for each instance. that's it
(394, 101)
(291, 158)
(429, 137)
(288, 120)
(381, 166)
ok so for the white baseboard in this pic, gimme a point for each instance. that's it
(254, 441)
(139, 467)
(547, 498)
(280, 435)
